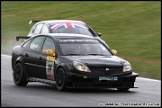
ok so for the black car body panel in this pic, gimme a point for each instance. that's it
(103, 70)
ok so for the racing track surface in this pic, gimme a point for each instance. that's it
(147, 94)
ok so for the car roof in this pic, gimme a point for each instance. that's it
(58, 21)
(68, 35)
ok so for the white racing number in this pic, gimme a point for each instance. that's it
(50, 68)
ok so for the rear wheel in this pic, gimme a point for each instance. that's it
(19, 75)
(123, 89)
(60, 79)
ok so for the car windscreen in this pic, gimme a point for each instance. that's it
(74, 30)
(83, 47)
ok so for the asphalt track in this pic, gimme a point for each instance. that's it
(148, 94)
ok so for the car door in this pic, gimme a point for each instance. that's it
(31, 56)
(45, 66)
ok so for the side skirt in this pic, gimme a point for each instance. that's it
(32, 79)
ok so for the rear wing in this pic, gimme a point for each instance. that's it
(22, 37)
(31, 21)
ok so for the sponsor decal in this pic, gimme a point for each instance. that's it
(34, 46)
(50, 67)
(108, 78)
(76, 40)
(49, 58)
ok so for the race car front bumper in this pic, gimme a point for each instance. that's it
(75, 80)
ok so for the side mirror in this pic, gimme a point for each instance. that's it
(99, 34)
(49, 52)
(114, 51)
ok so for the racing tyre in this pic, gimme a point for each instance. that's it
(60, 79)
(19, 75)
(123, 89)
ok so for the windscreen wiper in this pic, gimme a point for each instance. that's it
(73, 54)
(96, 54)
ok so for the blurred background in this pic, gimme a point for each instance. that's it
(133, 28)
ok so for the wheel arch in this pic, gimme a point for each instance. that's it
(20, 60)
(62, 65)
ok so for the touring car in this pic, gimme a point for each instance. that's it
(63, 26)
(70, 61)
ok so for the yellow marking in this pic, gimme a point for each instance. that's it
(85, 77)
(49, 58)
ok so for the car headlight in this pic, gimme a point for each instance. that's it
(127, 67)
(80, 66)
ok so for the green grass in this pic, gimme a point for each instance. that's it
(130, 27)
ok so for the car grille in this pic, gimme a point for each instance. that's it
(111, 71)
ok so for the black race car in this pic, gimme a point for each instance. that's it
(70, 61)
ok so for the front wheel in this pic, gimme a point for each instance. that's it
(60, 79)
(123, 89)
(19, 75)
